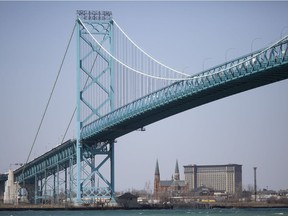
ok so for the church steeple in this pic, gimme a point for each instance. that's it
(157, 172)
(176, 174)
(156, 181)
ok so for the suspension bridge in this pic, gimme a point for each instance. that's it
(120, 89)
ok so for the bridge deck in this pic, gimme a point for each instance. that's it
(51, 162)
(248, 72)
(161, 111)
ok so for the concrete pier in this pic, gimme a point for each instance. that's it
(11, 188)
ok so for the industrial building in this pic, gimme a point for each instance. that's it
(225, 178)
(217, 178)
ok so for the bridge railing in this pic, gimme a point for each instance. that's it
(52, 161)
(271, 56)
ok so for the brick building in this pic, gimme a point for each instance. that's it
(168, 188)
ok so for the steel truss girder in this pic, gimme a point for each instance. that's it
(57, 159)
(47, 169)
(251, 65)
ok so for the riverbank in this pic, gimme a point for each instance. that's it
(249, 205)
(230, 205)
(63, 208)
(240, 205)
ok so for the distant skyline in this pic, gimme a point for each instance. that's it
(249, 128)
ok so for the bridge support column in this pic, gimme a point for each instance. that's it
(71, 177)
(78, 173)
(54, 188)
(36, 190)
(92, 171)
(112, 168)
(40, 193)
(45, 188)
(78, 119)
(65, 187)
(58, 185)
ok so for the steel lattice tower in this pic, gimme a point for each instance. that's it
(95, 98)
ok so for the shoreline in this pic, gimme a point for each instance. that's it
(148, 207)
(249, 205)
(74, 208)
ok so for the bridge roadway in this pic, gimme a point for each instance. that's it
(251, 71)
(51, 162)
(248, 72)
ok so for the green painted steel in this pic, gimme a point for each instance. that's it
(250, 71)
(78, 115)
(95, 76)
(56, 159)
(50, 164)
(102, 124)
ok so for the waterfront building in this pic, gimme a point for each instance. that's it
(3, 178)
(226, 178)
(128, 200)
(168, 188)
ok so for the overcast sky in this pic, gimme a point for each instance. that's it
(248, 128)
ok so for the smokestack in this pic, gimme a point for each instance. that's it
(255, 183)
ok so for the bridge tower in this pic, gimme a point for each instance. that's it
(94, 98)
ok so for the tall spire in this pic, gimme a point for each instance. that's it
(176, 175)
(157, 172)
(156, 181)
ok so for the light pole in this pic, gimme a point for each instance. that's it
(255, 183)
(254, 59)
(184, 69)
(285, 27)
(226, 52)
(252, 43)
(203, 64)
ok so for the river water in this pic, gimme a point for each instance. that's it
(182, 212)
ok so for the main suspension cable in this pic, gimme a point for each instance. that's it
(165, 66)
(196, 76)
(47, 105)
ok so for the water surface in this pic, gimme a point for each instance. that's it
(182, 212)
